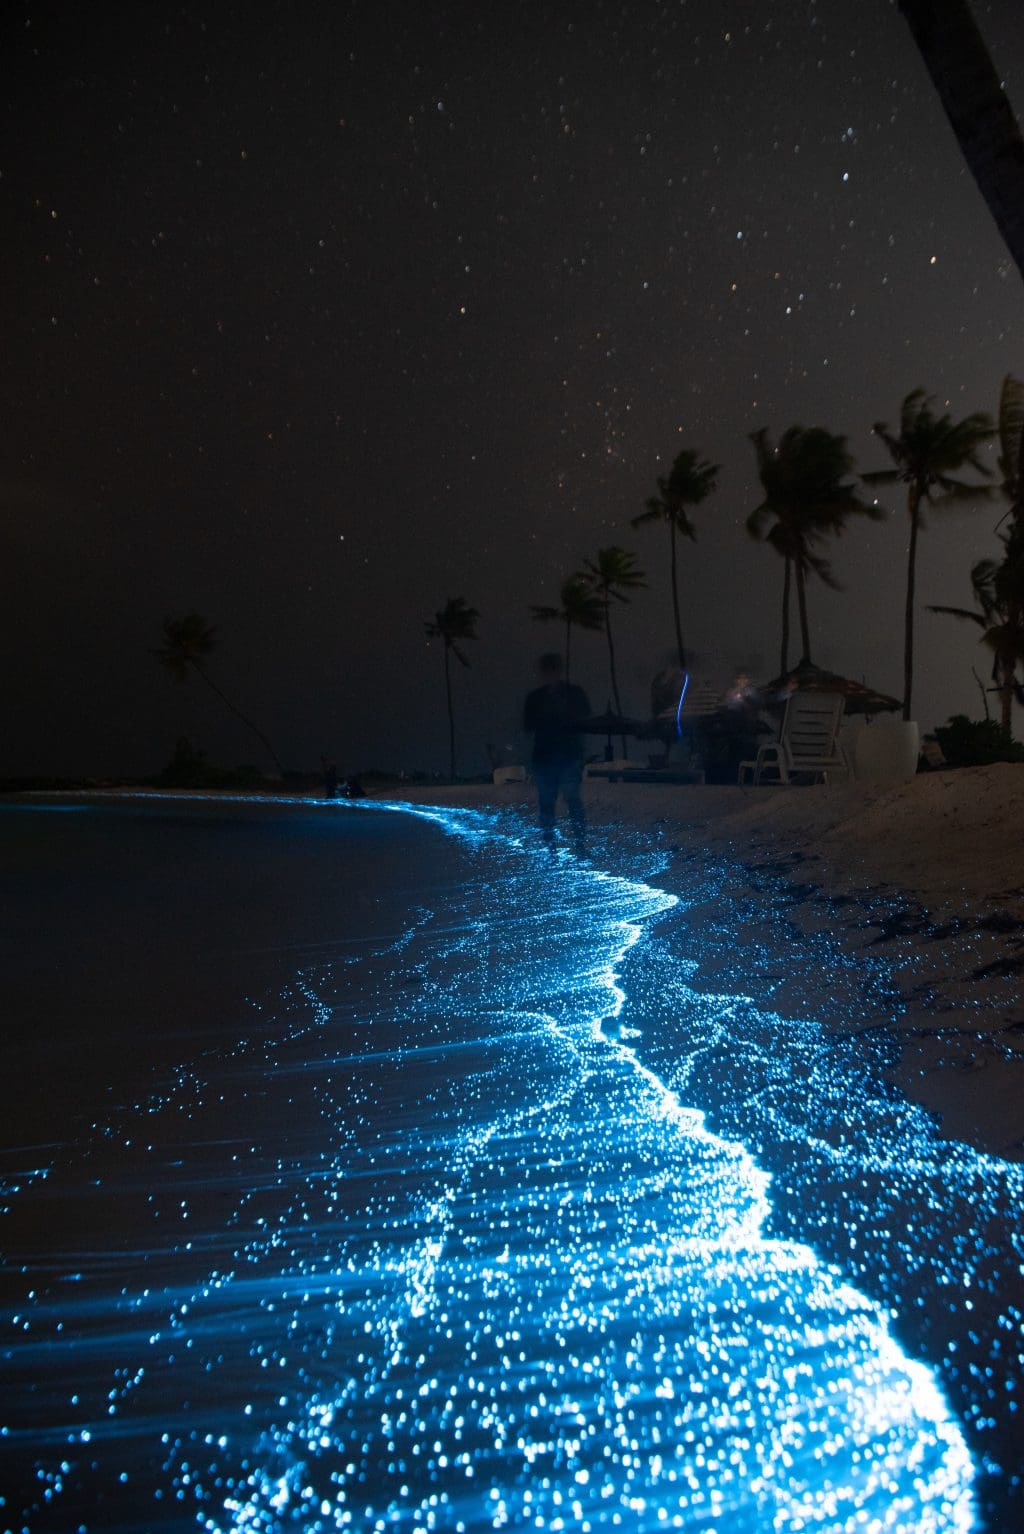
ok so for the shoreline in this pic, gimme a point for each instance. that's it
(918, 887)
(921, 883)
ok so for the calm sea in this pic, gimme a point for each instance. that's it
(353, 1179)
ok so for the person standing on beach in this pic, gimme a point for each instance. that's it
(552, 714)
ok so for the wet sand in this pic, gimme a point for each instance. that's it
(923, 881)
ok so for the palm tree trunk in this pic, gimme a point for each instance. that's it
(1007, 665)
(801, 602)
(787, 581)
(238, 714)
(611, 666)
(914, 507)
(675, 595)
(451, 712)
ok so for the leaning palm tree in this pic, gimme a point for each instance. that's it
(581, 607)
(999, 592)
(187, 643)
(928, 451)
(806, 500)
(611, 574)
(455, 621)
(690, 481)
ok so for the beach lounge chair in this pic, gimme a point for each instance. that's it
(509, 775)
(808, 743)
(612, 770)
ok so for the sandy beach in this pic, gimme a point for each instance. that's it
(924, 880)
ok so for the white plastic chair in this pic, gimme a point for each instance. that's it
(808, 742)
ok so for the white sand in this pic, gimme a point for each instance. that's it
(936, 867)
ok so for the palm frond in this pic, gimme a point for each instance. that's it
(959, 612)
(881, 476)
(455, 621)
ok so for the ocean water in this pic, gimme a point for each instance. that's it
(358, 1176)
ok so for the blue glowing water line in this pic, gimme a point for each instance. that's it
(585, 1218)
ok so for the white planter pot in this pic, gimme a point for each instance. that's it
(887, 752)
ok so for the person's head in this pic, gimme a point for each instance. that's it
(549, 666)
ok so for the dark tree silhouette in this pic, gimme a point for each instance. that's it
(1011, 451)
(612, 574)
(999, 585)
(806, 500)
(187, 643)
(581, 607)
(456, 621)
(927, 452)
(999, 591)
(690, 481)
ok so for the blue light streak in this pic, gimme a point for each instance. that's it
(679, 708)
(478, 1264)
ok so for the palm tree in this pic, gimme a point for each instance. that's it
(690, 481)
(1011, 451)
(187, 642)
(580, 606)
(927, 453)
(999, 591)
(456, 621)
(806, 500)
(611, 574)
(978, 110)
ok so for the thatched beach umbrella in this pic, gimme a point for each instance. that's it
(860, 699)
(609, 723)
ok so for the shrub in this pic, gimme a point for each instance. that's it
(976, 742)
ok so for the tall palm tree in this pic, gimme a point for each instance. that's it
(456, 621)
(978, 109)
(928, 451)
(187, 642)
(611, 575)
(1011, 450)
(999, 592)
(690, 481)
(580, 606)
(806, 500)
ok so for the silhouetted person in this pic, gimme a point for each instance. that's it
(551, 713)
(330, 772)
(740, 717)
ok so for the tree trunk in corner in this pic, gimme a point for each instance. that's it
(979, 113)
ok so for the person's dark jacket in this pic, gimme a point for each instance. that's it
(549, 713)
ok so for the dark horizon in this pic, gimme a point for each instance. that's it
(313, 324)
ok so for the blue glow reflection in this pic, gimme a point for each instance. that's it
(470, 1264)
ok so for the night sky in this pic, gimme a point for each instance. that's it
(316, 315)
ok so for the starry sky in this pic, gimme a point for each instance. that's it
(317, 315)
